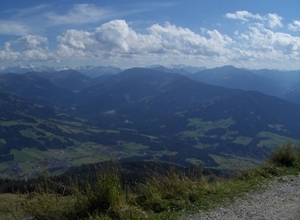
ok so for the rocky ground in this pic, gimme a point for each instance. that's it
(280, 200)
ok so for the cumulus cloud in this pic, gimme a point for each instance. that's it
(116, 38)
(273, 20)
(185, 41)
(29, 48)
(115, 41)
(262, 43)
(295, 26)
(243, 15)
(30, 42)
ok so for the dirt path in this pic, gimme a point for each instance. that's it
(279, 201)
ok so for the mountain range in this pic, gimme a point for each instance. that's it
(222, 118)
(284, 84)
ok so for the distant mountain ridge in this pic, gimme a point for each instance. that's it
(89, 70)
(228, 76)
(231, 77)
(36, 88)
(283, 84)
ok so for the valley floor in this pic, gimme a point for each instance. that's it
(279, 200)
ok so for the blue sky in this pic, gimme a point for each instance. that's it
(252, 34)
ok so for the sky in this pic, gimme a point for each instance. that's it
(252, 34)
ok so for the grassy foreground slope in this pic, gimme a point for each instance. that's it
(160, 197)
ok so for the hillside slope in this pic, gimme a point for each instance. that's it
(140, 114)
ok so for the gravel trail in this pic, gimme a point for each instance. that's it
(280, 200)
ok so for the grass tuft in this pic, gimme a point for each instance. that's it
(287, 155)
(105, 199)
(172, 192)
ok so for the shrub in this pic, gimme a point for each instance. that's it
(286, 155)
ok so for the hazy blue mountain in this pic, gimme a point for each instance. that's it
(181, 69)
(231, 77)
(89, 70)
(152, 94)
(127, 87)
(30, 68)
(170, 70)
(289, 81)
(171, 105)
(68, 79)
(13, 105)
(285, 79)
(293, 96)
(295, 85)
(190, 69)
(95, 71)
(36, 88)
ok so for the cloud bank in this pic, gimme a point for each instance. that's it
(260, 42)
(117, 39)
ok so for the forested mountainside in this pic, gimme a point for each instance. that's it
(65, 119)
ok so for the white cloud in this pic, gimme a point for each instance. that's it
(27, 48)
(116, 39)
(273, 20)
(6, 55)
(185, 41)
(243, 15)
(117, 42)
(30, 42)
(260, 45)
(295, 26)
(263, 43)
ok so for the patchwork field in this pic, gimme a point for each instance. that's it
(61, 144)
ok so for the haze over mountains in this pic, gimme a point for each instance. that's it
(284, 84)
(212, 117)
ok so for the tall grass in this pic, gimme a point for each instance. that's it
(287, 155)
(171, 192)
(104, 199)
(162, 196)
